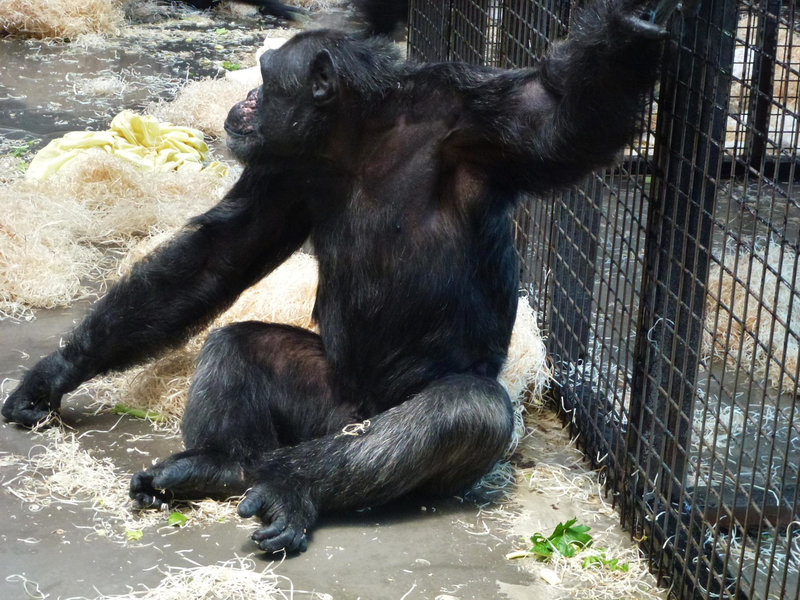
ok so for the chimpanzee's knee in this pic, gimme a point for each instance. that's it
(259, 386)
(228, 401)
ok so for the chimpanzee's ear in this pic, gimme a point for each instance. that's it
(324, 82)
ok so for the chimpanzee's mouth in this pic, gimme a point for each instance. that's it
(242, 116)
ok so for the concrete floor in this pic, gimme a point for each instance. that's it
(407, 551)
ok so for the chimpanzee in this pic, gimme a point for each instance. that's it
(276, 8)
(403, 177)
(383, 16)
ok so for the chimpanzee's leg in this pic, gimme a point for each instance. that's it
(257, 387)
(440, 440)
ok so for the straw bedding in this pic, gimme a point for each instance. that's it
(62, 237)
(751, 314)
(63, 19)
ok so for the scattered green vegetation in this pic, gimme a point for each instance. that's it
(177, 519)
(567, 540)
(121, 409)
(22, 149)
(20, 153)
(599, 559)
(231, 66)
(134, 535)
(221, 31)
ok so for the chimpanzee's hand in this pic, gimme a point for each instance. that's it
(147, 489)
(39, 394)
(648, 19)
(287, 511)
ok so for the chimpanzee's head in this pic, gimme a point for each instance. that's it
(315, 80)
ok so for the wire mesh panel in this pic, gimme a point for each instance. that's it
(529, 29)
(470, 34)
(429, 30)
(744, 459)
(668, 287)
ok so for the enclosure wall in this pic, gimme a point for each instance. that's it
(667, 286)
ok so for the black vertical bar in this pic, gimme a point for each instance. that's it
(448, 32)
(693, 96)
(577, 231)
(763, 74)
(571, 319)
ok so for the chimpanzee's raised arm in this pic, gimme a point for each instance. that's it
(173, 291)
(550, 125)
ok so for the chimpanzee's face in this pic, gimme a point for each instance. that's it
(282, 118)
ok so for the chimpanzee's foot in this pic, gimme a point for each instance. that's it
(287, 511)
(189, 475)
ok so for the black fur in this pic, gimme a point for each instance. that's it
(276, 8)
(383, 17)
(403, 177)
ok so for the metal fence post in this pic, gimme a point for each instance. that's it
(690, 134)
(576, 231)
(763, 72)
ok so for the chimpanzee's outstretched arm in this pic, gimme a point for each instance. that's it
(551, 125)
(174, 291)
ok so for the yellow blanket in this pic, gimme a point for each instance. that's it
(140, 140)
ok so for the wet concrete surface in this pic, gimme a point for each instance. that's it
(49, 87)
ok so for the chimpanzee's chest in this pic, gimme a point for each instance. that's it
(409, 291)
(391, 259)
(389, 305)
(413, 281)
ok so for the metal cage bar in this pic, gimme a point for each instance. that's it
(668, 286)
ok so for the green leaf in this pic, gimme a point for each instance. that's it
(600, 560)
(177, 519)
(566, 539)
(134, 535)
(121, 409)
(541, 547)
(221, 31)
(229, 66)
